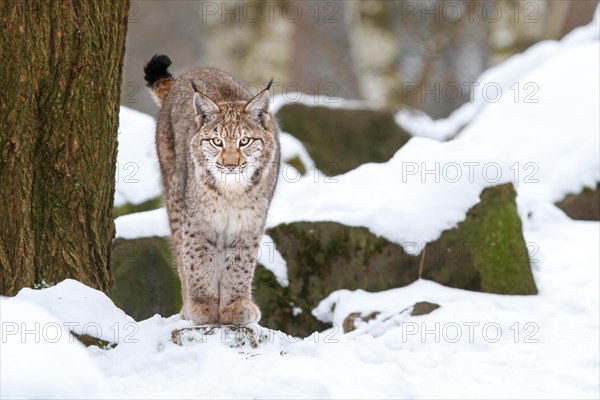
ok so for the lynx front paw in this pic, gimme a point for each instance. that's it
(202, 313)
(239, 312)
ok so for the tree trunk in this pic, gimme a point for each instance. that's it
(60, 78)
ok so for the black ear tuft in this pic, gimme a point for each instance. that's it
(259, 105)
(204, 106)
(269, 84)
(156, 69)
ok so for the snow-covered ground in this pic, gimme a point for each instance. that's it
(475, 345)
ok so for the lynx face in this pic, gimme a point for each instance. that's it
(233, 142)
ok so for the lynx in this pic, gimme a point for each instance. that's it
(218, 148)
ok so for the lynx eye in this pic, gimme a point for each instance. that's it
(217, 142)
(245, 141)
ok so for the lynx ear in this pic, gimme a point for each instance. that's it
(259, 104)
(203, 105)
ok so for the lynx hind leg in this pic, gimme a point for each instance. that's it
(182, 278)
(174, 204)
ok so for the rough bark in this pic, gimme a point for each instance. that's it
(60, 77)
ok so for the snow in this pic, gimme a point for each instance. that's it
(362, 196)
(271, 259)
(143, 224)
(544, 346)
(476, 345)
(292, 148)
(83, 310)
(138, 173)
(40, 359)
(564, 123)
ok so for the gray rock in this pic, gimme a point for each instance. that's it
(339, 140)
(583, 206)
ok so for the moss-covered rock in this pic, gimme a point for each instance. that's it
(339, 140)
(323, 257)
(145, 279)
(151, 204)
(349, 323)
(235, 336)
(423, 308)
(486, 252)
(88, 340)
(584, 206)
(297, 163)
(418, 309)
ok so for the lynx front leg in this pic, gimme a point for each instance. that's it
(202, 277)
(236, 306)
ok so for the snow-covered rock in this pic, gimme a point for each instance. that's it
(39, 358)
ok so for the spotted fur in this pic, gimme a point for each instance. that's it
(219, 156)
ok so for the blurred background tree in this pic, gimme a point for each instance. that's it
(389, 53)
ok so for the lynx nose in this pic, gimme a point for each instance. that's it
(230, 167)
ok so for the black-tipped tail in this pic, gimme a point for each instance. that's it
(156, 69)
